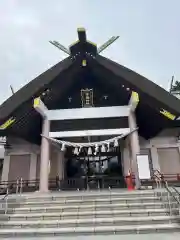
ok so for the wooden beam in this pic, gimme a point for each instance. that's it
(85, 133)
(88, 113)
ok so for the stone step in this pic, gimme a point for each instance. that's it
(81, 208)
(113, 236)
(86, 201)
(113, 221)
(76, 195)
(84, 215)
(97, 230)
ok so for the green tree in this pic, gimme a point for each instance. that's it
(176, 86)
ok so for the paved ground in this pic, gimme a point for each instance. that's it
(170, 236)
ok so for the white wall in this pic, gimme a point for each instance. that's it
(166, 139)
(21, 147)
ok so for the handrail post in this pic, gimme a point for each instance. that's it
(6, 200)
(17, 186)
(21, 185)
(87, 183)
(169, 199)
(160, 187)
(98, 183)
(157, 188)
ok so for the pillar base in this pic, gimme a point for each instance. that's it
(42, 192)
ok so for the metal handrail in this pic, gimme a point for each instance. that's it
(167, 186)
(162, 178)
(175, 189)
(5, 198)
(7, 193)
(81, 183)
(160, 182)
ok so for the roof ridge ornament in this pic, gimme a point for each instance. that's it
(60, 46)
(82, 39)
(107, 44)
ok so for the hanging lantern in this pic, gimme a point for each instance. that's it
(103, 148)
(63, 148)
(89, 151)
(116, 144)
(76, 152)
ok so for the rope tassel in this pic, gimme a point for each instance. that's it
(90, 145)
(116, 144)
(63, 148)
(76, 152)
(89, 151)
(103, 148)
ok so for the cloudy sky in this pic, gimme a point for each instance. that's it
(149, 36)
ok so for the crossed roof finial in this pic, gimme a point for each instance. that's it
(83, 40)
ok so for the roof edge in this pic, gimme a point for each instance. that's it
(35, 85)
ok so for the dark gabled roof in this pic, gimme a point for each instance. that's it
(32, 89)
(131, 78)
(113, 77)
(141, 84)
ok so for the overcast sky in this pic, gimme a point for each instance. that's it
(149, 33)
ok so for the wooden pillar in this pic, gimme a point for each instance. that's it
(135, 147)
(44, 164)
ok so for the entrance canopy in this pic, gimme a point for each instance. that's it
(60, 88)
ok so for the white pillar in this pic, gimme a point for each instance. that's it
(44, 163)
(60, 165)
(5, 171)
(33, 166)
(135, 147)
(155, 159)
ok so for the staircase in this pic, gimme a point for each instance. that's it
(86, 213)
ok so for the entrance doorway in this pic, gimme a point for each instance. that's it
(100, 171)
